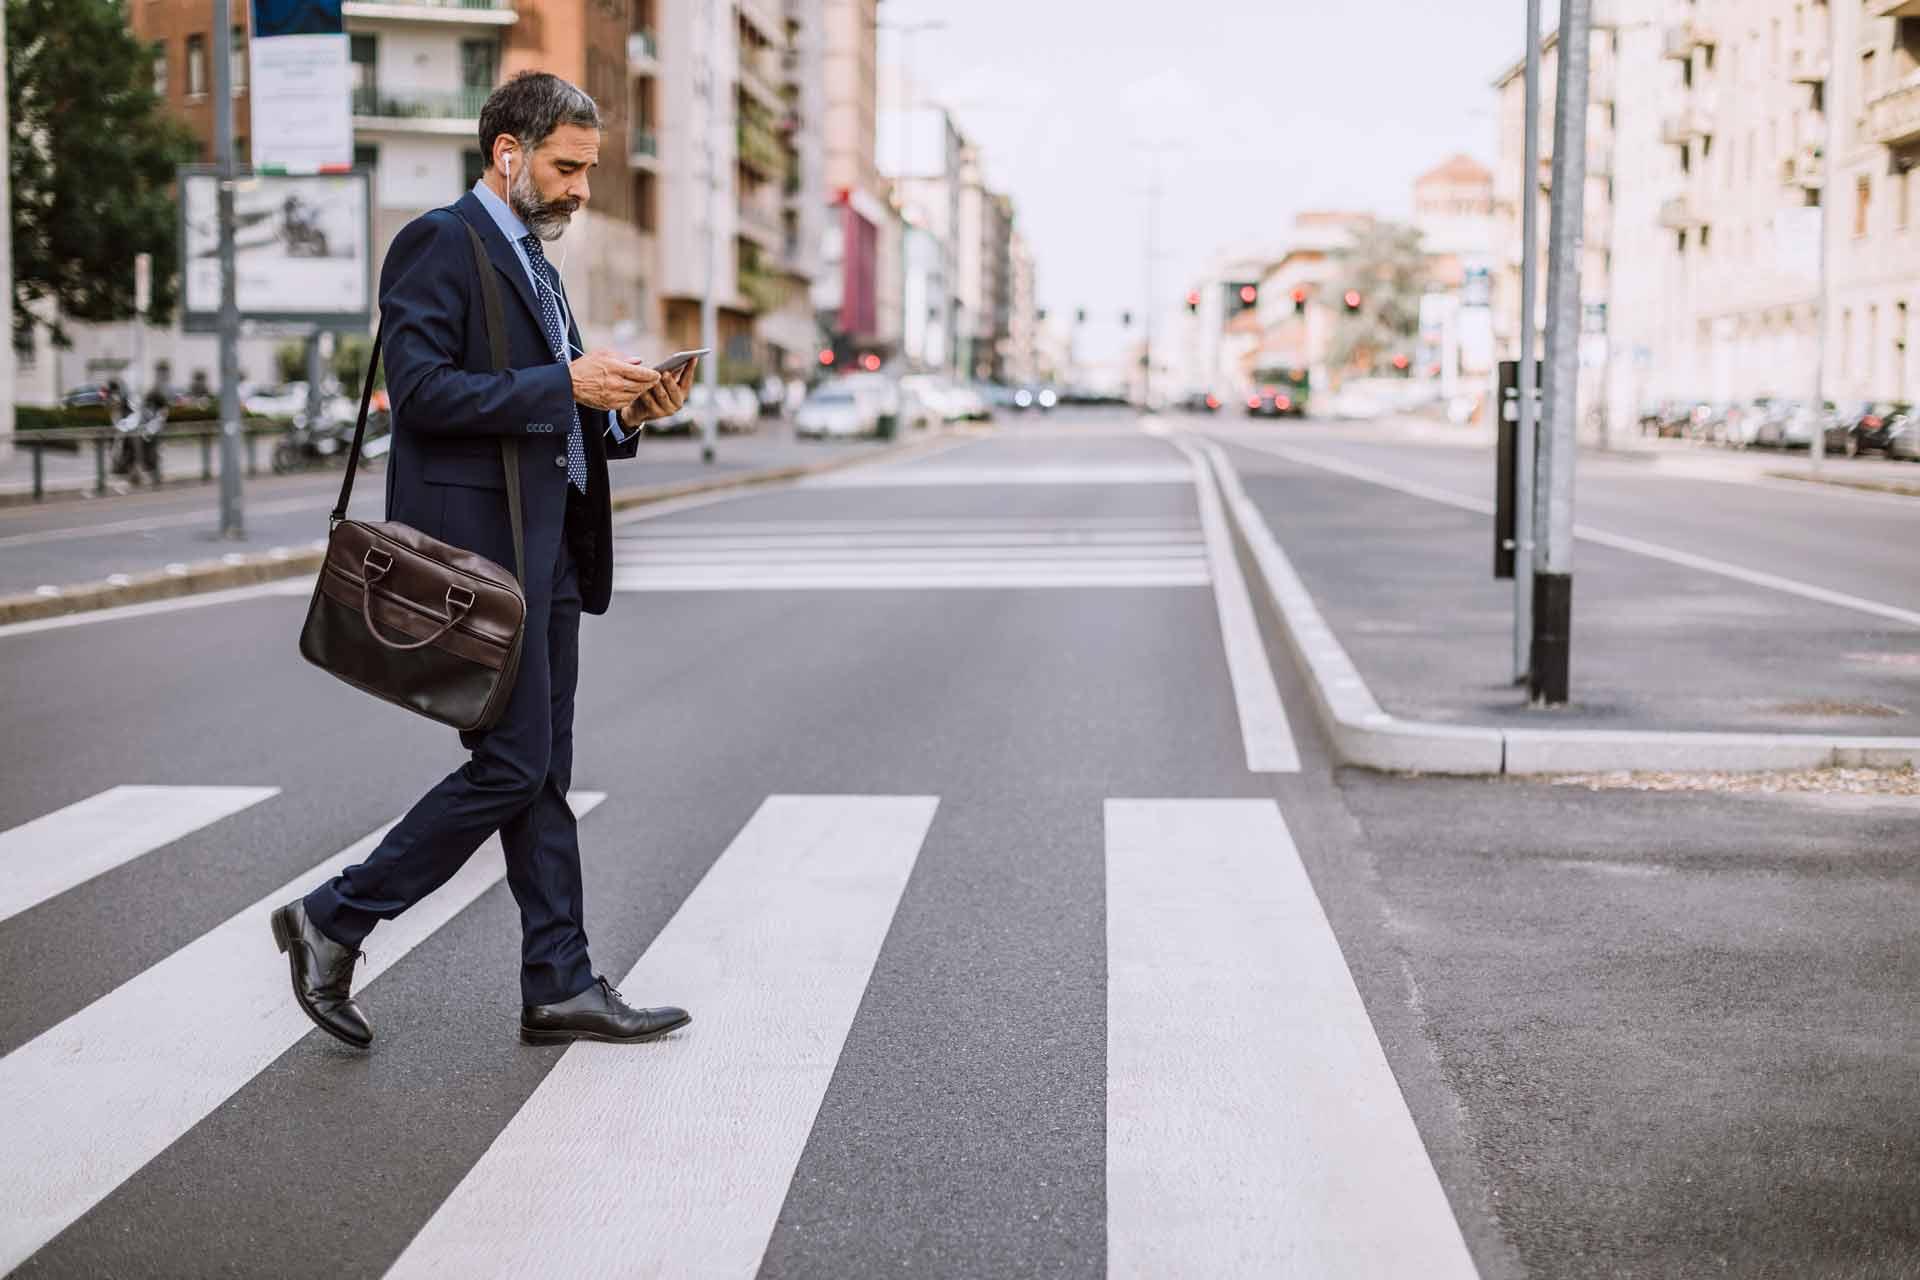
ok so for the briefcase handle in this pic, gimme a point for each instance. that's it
(509, 448)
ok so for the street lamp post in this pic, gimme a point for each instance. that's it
(709, 301)
(232, 525)
(1526, 425)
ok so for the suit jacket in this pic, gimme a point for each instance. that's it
(450, 410)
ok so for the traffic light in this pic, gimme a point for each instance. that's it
(1193, 301)
(1401, 362)
(826, 357)
(1299, 302)
(1249, 295)
(1126, 319)
(1241, 296)
(1353, 300)
(1080, 316)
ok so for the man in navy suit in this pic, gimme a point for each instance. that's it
(570, 410)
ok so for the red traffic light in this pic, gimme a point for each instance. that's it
(826, 356)
(870, 362)
(1249, 294)
(1299, 295)
(1401, 362)
(1193, 300)
(1353, 299)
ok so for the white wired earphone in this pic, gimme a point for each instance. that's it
(559, 269)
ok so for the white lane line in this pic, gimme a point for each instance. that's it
(177, 520)
(1254, 1128)
(674, 1159)
(916, 525)
(87, 1103)
(915, 582)
(951, 474)
(932, 558)
(172, 605)
(46, 857)
(1263, 717)
(1618, 541)
(1090, 543)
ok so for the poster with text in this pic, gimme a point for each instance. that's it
(300, 87)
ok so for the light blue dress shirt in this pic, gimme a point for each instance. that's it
(513, 229)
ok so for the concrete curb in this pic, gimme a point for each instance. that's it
(1365, 734)
(219, 575)
(1898, 488)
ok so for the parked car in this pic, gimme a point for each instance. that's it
(1272, 402)
(1874, 429)
(1200, 402)
(1787, 424)
(836, 410)
(739, 408)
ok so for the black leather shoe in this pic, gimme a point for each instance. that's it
(322, 975)
(598, 1013)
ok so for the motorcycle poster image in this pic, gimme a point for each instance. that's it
(301, 248)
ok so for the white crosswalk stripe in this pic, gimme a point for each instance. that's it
(48, 856)
(1254, 1127)
(912, 555)
(88, 1102)
(675, 1162)
(935, 475)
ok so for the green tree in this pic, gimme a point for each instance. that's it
(1385, 264)
(92, 156)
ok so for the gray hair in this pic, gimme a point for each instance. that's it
(531, 106)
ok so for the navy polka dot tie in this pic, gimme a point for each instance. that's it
(549, 292)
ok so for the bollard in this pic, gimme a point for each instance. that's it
(206, 456)
(39, 471)
(248, 435)
(99, 465)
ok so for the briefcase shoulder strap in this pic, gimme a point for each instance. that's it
(509, 448)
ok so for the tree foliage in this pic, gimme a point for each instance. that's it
(1385, 264)
(92, 156)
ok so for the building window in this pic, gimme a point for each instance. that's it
(160, 69)
(364, 51)
(366, 156)
(644, 213)
(1862, 205)
(479, 63)
(196, 66)
(239, 61)
(472, 165)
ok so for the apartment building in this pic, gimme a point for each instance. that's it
(1873, 243)
(859, 289)
(1022, 354)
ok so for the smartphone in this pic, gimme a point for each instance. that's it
(680, 360)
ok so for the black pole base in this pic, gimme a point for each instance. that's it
(1552, 638)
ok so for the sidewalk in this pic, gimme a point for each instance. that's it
(1404, 588)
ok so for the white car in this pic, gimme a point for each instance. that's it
(835, 411)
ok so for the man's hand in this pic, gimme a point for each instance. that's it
(608, 380)
(662, 400)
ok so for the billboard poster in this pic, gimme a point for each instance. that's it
(300, 87)
(303, 249)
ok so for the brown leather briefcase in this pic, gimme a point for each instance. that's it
(427, 626)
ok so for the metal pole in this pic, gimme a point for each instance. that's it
(1526, 426)
(1153, 249)
(316, 379)
(710, 302)
(1817, 448)
(6, 273)
(1553, 487)
(231, 523)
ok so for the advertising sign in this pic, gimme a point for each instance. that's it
(302, 112)
(303, 248)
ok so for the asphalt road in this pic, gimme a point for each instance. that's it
(926, 788)
(81, 540)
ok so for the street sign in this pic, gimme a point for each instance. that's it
(302, 114)
(303, 249)
(1506, 530)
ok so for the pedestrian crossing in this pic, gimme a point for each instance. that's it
(1253, 1125)
(912, 554)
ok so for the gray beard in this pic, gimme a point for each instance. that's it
(547, 221)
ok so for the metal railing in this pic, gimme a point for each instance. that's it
(642, 146)
(484, 6)
(419, 104)
(102, 440)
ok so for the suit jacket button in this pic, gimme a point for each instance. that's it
(559, 459)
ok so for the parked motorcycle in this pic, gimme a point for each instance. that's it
(311, 445)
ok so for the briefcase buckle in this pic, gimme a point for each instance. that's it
(373, 571)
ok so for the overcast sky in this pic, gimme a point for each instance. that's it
(1266, 107)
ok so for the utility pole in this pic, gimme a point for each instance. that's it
(6, 258)
(1553, 501)
(710, 301)
(231, 523)
(1527, 426)
(1817, 447)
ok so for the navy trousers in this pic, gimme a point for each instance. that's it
(515, 783)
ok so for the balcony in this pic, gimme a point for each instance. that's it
(1677, 214)
(761, 286)
(760, 223)
(643, 149)
(455, 111)
(760, 149)
(1893, 8)
(1809, 66)
(1682, 38)
(472, 13)
(643, 55)
(1893, 118)
(1806, 169)
(760, 77)
(1683, 127)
